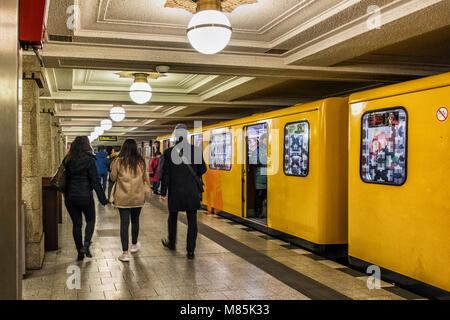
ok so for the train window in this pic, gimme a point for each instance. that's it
(166, 144)
(220, 151)
(384, 146)
(296, 149)
(197, 140)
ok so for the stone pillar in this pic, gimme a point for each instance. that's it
(31, 175)
(46, 151)
(55, 147)
(63, 148)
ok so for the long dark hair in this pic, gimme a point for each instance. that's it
(130, 157)
(79, 146)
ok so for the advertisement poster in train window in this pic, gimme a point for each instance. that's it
(383, 146)
(296, 149)
(197, 140)
(220, 151)
(256, 149)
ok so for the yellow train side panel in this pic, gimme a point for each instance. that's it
(405, 228)
(314, 207)
(223, 190)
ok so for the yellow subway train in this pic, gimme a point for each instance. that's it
(365, 178)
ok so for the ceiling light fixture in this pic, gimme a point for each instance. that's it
(106, 124)
(93, 136)
(140, 90)
(209, 30)
(117, 113)
(99, 130)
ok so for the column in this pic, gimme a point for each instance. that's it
(31, 175)
(10, 186)
(46, 151)
(55, 146)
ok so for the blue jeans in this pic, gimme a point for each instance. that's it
(155, 186)
(103, 177)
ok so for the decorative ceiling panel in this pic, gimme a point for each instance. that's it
(191, 6)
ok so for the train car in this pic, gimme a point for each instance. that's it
(399, 183)
(283, 172)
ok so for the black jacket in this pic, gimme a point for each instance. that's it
(183, 189)
(82, 178)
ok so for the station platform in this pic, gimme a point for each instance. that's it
(233, 262)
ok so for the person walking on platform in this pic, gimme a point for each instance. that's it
(182, 170)
(154, 172)
(102, 166)
(81, 179)
(260, 156)
(114, 153)
(129, 173)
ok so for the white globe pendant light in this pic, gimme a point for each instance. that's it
(209, 30)
(117, 113)
(93, 136)
(106, 124)
(140, 90)
(99, 130)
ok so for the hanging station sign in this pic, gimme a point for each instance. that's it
(107, 138)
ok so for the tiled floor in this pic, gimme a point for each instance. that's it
(231, 263)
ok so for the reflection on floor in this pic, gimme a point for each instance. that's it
(230, 263)
(262, 221)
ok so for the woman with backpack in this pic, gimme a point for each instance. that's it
(129, 173)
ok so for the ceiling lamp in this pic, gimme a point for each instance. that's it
(209, 30)
(93, 136)
(140, 90)
(117, 113)
(106, 124)
(99, 130)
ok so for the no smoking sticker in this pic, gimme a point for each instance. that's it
(442, 114)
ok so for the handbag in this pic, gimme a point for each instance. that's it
(197, 179)
(59, 179)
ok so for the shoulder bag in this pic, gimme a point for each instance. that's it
(59, 179)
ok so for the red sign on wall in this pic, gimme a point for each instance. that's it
(32, 21)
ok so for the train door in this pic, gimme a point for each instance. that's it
(255, 173)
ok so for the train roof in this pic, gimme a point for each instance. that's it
(417, 85)
(301, 107)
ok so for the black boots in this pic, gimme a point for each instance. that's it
(80, 254)
(87, 251)
(166, 244)
(190, 255)
(84, 251)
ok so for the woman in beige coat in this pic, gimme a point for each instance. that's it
(128, 171)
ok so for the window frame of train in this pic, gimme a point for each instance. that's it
(284, 148)
(201, 139)
(405, 154)
(231, 150)
(166, 144)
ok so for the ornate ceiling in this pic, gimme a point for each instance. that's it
(281, 52)
(191, 5)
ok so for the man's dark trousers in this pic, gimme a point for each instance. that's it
(192, 229)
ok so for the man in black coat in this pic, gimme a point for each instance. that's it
(182, 170)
